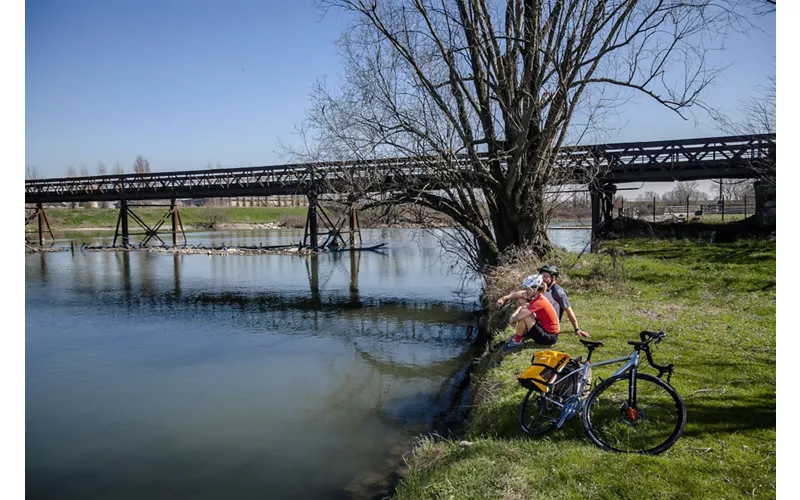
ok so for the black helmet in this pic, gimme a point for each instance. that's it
(549, 268)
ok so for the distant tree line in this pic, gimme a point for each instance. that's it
(731, 189)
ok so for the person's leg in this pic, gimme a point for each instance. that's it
(540, 336)
(523, 326)
(521, 304)
(520, 327)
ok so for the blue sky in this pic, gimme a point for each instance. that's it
(187, 82)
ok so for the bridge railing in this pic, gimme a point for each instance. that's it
(730, 149)
(600, 159)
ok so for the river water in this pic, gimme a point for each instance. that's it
(153, 375)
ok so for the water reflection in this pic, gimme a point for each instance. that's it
(159, 375)
(234, 376)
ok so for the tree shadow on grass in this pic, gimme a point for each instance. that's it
(744, 255)
(672, 283)
(728, 414)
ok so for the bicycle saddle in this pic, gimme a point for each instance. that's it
(591, 344)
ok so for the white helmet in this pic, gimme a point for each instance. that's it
(532, 281)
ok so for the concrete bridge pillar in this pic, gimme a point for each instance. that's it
(602, 196)
(765, 203)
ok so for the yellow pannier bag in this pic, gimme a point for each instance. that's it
(544, 369)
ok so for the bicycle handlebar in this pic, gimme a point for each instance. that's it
(647, 336)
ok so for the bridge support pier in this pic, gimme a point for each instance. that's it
(149, 232)
(123, 220)
(765, 203)
(42, 223)
(311, 222)
(173, 209)
(602, 196)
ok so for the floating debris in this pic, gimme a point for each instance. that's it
(225, 250)
(45, 249)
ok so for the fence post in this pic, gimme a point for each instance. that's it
(687, 208)
(654, 208)
(723, 209)
(745, 206)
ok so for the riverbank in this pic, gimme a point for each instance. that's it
(717, 305)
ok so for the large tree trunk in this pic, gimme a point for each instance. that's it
(499, 83)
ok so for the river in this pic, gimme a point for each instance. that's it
(152, 375)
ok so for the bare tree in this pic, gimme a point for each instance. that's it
(482, 96)
(30, 172)
(763, 7)
(141, 165)
(648, 196)
(101, 168)
(685, 190)
(757, 111)
(733, 189)
(118, 169)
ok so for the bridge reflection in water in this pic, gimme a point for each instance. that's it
(224, 363)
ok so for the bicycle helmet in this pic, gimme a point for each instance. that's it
(532, 281)
(549, 268)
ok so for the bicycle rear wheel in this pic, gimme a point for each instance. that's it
(650, 424)
(537, 415)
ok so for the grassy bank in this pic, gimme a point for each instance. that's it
(717, 305)
(66, 218)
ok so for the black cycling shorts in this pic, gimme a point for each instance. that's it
(540, 335)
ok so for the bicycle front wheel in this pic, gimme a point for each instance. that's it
(537, 415)
(650, 423)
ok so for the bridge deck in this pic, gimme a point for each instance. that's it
(655, 161)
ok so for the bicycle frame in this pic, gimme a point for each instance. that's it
(554, 407)
(632, 361)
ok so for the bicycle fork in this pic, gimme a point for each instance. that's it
(631, 411)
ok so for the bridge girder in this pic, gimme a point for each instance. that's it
(655, 161)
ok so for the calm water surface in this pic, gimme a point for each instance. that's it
(265, 376)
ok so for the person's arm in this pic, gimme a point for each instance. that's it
(574, 320)
(523, 313)
(519, 294)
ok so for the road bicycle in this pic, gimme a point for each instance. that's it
(630, 412)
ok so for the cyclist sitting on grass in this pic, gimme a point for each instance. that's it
(534, 316)
(558, 297)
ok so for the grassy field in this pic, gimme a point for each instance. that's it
(65, 218)
(717, 305)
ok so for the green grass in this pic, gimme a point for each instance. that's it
(65, 218)
(717, 218)
(717, 305)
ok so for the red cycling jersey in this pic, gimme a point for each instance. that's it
(544, 313)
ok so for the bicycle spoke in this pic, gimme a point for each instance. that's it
(537, 414)
(650, 425)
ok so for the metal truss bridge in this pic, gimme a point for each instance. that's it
(603, 165)
(659, 161)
